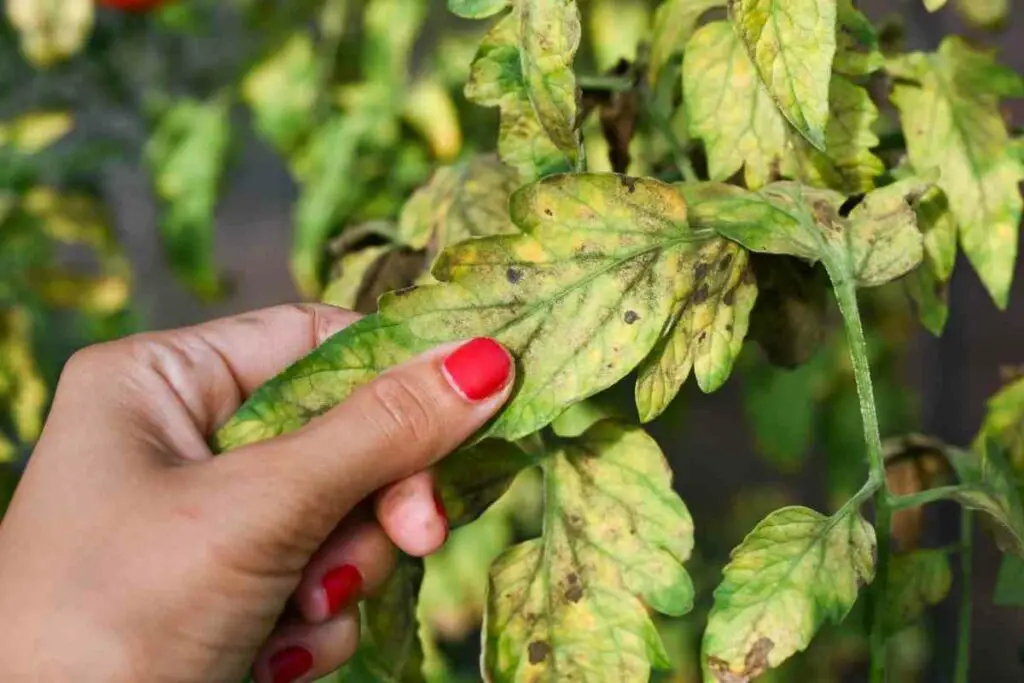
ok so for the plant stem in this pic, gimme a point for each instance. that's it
(846, 295)
(963, 652)
(605, 83)
(914, 500)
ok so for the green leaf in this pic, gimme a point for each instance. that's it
(780, 407)
(934, 5)
(1010, 582)
(476, 9)
(732, 112)
(389, 649)
(580, 417)
(858, 50)
(472, 478)
(391, 28)
(466, 200)
(531, 86)
(878, 242)
(51, 31)
(674, 24)
(985, 14)
(1004, 423)
(792, 44)
(282, 92)
(715, 293)
(928, 284)
(573, 604)
(796, 570)
(186, 155)
(987, 485)
(949, 103)
(917, 580)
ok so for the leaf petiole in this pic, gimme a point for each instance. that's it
(914, 500)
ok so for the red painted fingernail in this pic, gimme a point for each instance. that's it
(340, 586)
(290, 663)
(479, 368)
(439, 506)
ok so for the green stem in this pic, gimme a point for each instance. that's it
(914, 500)
(605, 83)
(846, 295)
(963, 653)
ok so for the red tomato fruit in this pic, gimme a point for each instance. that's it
(132, 5)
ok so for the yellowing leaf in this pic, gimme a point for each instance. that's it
(917, 580)
(186, 154)
(796, 570)
(353, 270)
(22, 390)
(282, 92)
(949, 103)
(674, 23)
(715, 293)
(51, 30)
(579, 299)
(430, 111)
(928, 284)
(934, 5)
(1004, 423)
(476, 9)
(732, 112)
(878, 242)
(990, 14)
(858, 50)
(32, 133)
(466, 200)
(615, 29)
(572, 606)
(792, 44)
(531, 86)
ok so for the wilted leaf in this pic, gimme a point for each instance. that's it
(987, 485)
(792, 44)
(878, 242)
(988, 14)
(51, 30)
(1009, 590)
(949, 103)
(32, 133)
(674, 23)
(573, 604)
(796, 570)
(282, 92)
(1004, 423)
(928, 284)
(730, 110)
(469, 199)
(476, 9)
(715, 292)
(917, 580)
(186, 154)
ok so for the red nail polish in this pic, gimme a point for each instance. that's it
(290, 663)
(340, 586)
(479, 368)
(439, 506)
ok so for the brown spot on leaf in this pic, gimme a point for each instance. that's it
(574, 593)
(701, 295)
(631, 317)
(700, 271)
(729, 297)
(703, 335)
(513, 275)
(629, 182)
(538, 651)
(755, 664)
(724, 264)
(549, 212)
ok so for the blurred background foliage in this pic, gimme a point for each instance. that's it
(361, 100)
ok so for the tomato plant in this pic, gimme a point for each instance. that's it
(133, 5)
(625, 196)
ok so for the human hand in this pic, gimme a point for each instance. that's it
(131, 553)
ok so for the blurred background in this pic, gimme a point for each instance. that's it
(768, 438)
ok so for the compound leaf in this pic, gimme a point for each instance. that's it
(949, 103)
(792, 44)
(187, 154)
(917, 580)
(573, 604)
(796, 570)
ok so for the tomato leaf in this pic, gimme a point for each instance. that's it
(53, 31)
(282, 91)
(796, 570)
(917, 580)
(987, 485)
(928, 284)
(573, 604)
(1004, 423)
(674, 23)
(792, 44)
(476, 9)
(949, 103)
(472, 478)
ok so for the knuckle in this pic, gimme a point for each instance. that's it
(404, 411)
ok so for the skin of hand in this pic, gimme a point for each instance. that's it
(131, 553)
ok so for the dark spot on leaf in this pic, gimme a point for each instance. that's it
(574, 594)
(629, 182)
(701, 295)
(850, 204)
(549, 212)
(700, 271)
(729, 297)
(513, 275)
(702, 337)
(631, 317)
(573, 578)
(728, 328)
(724, 264)
(755, 664)
(538, 651)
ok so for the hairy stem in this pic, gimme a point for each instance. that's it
(914, 500)
(846, 295)
(963, 651)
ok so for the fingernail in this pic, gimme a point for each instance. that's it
(290, 663)
(340, 586)
(478, 369)
(439, 506)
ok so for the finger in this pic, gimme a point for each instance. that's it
(412, 515)
(399, 424)
(354, 561)
(297, 652)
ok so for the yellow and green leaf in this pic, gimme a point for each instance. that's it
(51, 31)
(987, 485)
(917, 580)
(1004, 423)
(674, 23)
(796, 570)
(573, 605)
(34, 132)
(928, 284)
(476, 9)
(282, 91)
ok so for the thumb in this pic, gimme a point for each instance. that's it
(402, 422)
